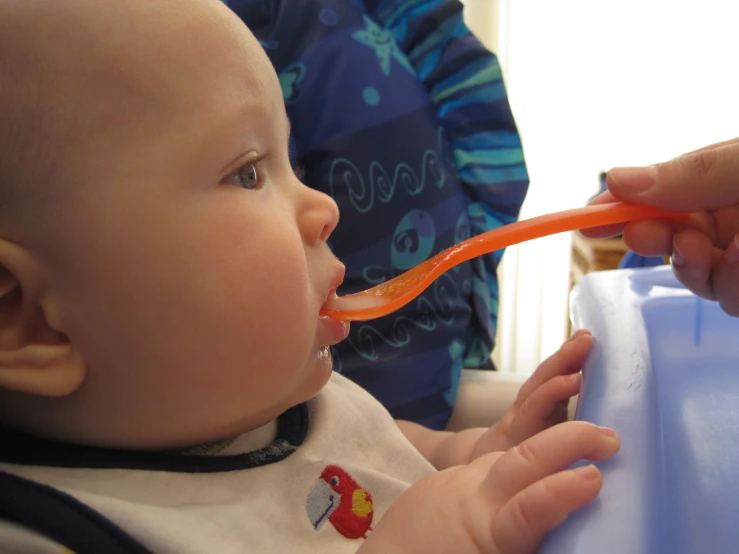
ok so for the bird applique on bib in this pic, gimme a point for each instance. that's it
(337, 498)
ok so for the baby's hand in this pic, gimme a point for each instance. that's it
(543, 399)
(500, 503)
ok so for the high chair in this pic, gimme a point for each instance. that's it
(664, 373)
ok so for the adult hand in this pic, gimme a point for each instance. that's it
(705, 248)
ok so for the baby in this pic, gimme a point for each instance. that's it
(165, 377)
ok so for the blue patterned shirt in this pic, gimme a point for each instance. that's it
(401, 115)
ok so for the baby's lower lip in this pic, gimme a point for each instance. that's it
(332, 331)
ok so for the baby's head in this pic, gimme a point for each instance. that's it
(162, 269)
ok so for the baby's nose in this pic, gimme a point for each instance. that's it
(318, 216)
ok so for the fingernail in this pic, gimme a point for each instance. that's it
(610, 433)
(577, 334)
(635, 179)
(587, 473)
(678, 260)
(732, 251)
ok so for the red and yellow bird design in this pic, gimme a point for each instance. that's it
(338, 498)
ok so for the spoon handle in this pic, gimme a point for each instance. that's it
(569, 220)
(390, 295)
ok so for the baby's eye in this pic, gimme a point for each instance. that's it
(246, 176)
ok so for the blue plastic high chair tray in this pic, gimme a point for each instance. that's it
(664, 373)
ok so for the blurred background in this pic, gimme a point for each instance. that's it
(595, 84)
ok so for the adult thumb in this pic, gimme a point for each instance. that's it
(702, 180)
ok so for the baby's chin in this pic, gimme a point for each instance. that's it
(319, 377)
(314, 378)
(213, 420)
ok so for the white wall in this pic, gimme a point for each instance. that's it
(594, 84)
(482, 17)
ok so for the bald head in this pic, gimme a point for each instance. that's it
(78, 77)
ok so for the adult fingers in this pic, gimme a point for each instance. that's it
(702, 180)
(650, 238)
(715, 145)
(693, 259)
(524, 521)
(605, 197)
(654, 237)
(606, 230)
(702, 221)
(726, 279)
(726, 225)
(550, 451)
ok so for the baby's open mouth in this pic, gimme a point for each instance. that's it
(332, 296)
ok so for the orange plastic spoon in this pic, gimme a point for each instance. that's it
(395, 293)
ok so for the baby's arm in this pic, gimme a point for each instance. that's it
(541, 403)
(442, 448)
(501, 503)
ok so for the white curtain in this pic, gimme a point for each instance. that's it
(594, 84)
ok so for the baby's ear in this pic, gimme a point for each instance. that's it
(35, 357)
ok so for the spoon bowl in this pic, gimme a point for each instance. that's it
(395, 293)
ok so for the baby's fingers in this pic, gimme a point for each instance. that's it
(546, 406)
(525, 520)
(552, 450)
(567, 360)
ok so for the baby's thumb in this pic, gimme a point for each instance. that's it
(702, 180)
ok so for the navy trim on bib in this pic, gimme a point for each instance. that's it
(292, 427)
(61, 518)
